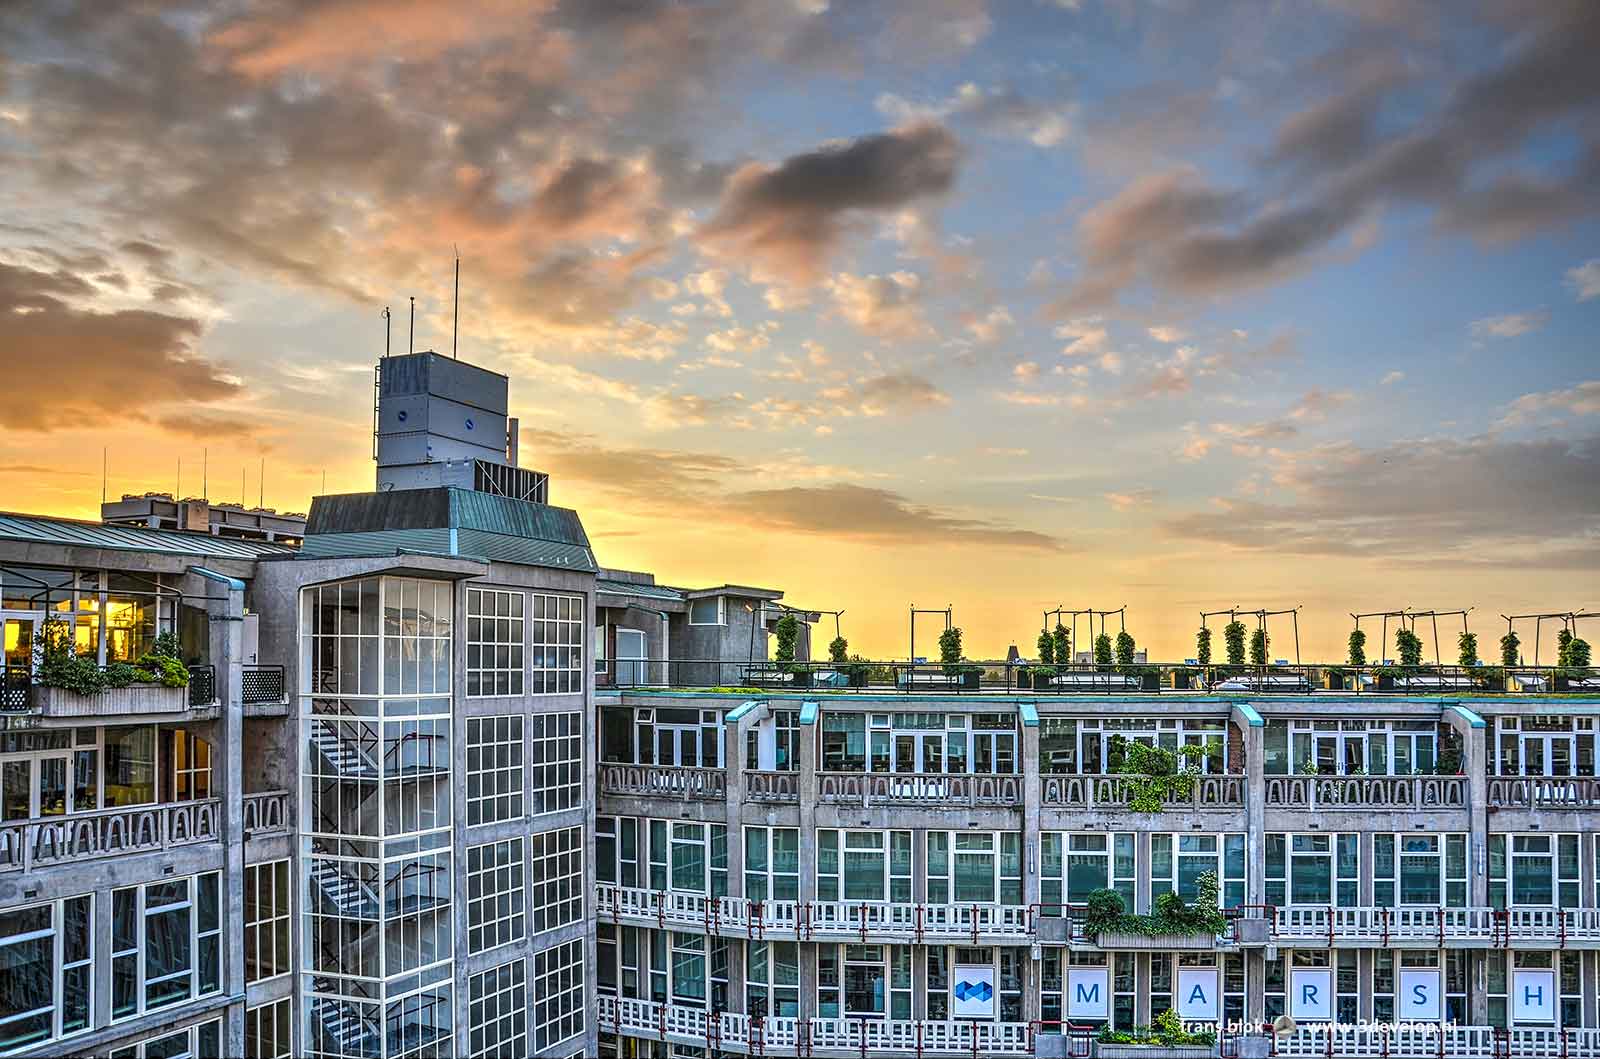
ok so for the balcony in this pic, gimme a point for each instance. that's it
(851, 921)
(1435, 928)
(133, 700)
(1417, 1041)
(782, 788)
(26, 845)
(920, 790)
(1112, 792)
(741, 1034)
(261, 685)
(266, 813)
(1314, 793)
(1544, 792)
(664, 781)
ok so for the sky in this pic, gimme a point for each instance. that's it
(997, 304)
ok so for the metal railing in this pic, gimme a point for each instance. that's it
(1088, 678)
(1544, 792)
(16, 689)
(261, 684)
(1365, 792)
(202, 685)
(71, 837)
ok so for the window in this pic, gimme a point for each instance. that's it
(494, 769)
(497, 1012)
(1411, 869)
(1005, 964)
(1229, 968)
(616, 849)
(1179, 872)
(557, 628)
(496, 902)
(558, 994)
(858, 980)
(696, 854)
(1560, 972)
(864, 866)
(772, 979)
(268, 1031)
(46, 951)
(969, 868)
(711, 610)
(1073, 866)
(1342, 965)
(557, 878)
(494, 642)
(772, 863)
(165, 944)
(1392, 969)
(557, 750)
(1313, 869)
(196, 1042)
(266, 920)
(1535, 870)
(190, 759)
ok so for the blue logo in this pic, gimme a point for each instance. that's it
(469, 424)
(402, 417)
(982, 992)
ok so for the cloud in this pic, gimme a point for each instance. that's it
(996, 111)
(878, 516)
(887, 306)
(1131, 499)
(1508, 326)
(68, 363)
(992, 326)
(1584, 279)
(1580, 400)
(1169, 335)
(1420, 501)
(1390, 378)
(785, 220)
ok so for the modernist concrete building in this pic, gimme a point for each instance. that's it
(441, 785)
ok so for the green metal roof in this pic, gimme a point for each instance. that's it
(630, 588)
(41, 529)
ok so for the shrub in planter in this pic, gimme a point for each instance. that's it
(1356, 648)
(788, 634)
(1062, 641)
(1233, 635)
(1202, 646)
(1510, 656)
(1102, 650)
(1258, 647)
(1408, 645)
(838, 649)
(1047, 648)
(1467, 649)
(1333, 678)
(1125, 650)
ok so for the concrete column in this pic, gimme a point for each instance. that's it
(807, 785)
(1032, 857)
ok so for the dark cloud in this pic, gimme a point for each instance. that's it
(66, 364)
(203, 426)
(787, 218)
(1420, 500)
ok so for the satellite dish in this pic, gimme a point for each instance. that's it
(1283, 1025)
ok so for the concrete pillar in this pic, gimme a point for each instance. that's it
(807, 785)
(1032, 856)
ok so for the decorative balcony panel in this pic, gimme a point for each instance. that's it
(266, 812)
(1366, 792)
(47, 841)
(1544, 792)
(664, 781)
(133, 700)
(930, 790)
(780, 787)
(1114, 792)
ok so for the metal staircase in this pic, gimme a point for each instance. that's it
(349, 761)
(352, 898)
(343, 1026)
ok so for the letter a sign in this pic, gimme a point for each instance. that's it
(1197, 993)
(1087, 989)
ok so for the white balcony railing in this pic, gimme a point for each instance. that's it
(814, 920)
(735, 1032)
(1089, 791)
(1534, 928)
(50, 840)
(1424, 1042)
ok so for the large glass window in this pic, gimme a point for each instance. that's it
(269, 1031)
(1313, 869)
(266, 920)
(617, 852)
(196, 1042)
(864, 981)
(556, 627)
(494, 769)
(974, 867)
(772, 979)
(1538, 870)
(165, 943)
(557, 752)
(496, 895)
(46, 977)
(557, 878)
(1074, 865)
(689, 857)
(772, 863)
(1410, 869)
(1177, 862)
(558, 994)
(863, 865)
(494, 642)
(497, 1012)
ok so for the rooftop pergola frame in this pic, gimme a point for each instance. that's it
(1568, 618)
(949, 620)
(1262, 616)
(1089, 613)
(1412, 614)
(1383, 637)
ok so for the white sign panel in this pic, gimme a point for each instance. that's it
(1533, 996)
(1419, 997)
(972, 993)
(1310, 994)
(1199, 990)
(1088, 991)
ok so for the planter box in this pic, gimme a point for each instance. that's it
(1024, 680)
(1333, 680)
(1154, 1051)
(1149, 681)
(1181, 680)
(1113, 939)
(112, 702)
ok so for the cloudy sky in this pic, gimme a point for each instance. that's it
(1005, 304)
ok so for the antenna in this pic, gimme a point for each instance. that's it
(178, 493)
(261, 480)
(105, 470)
(411, 338)
(455, 312)
(324, 481)
(386, 321)
(205, 474)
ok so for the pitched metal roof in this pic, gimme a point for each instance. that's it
(42, 529)
(632, 588)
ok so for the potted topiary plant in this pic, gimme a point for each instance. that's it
(1510, 656)
(1103, 654)
(788, 636)
(1184, 679)
(1233, 635)
(962, 675)
(1259, 644)
(839, 654)
(1047, 656)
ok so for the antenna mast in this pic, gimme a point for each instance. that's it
(386, 322)
(411, 337)
(455, 312)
